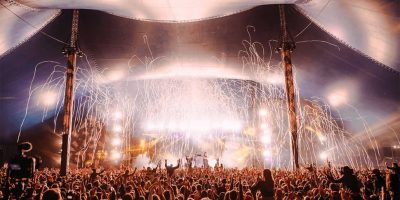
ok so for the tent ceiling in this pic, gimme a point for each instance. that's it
(110, 41)
(364, 28)
(368, 26)
(160, 10)
(15, 30)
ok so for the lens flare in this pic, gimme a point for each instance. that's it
(117, 115)
(48, 98)
(323, 156)
(262, 112)
(116, 142)
(117, 128)
(338, 97)
(116, 155)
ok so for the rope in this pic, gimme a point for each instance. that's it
(26, 22)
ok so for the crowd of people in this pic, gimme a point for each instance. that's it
(169, 182)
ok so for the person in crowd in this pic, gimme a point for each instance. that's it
(52, 194)
(152, 171)
(378, 182)
(265, 186)
(172, 183)
(392, 187)
(126, 175)
(349, 181)
(311, 167)
(395, 169)
(171, 169)
(94, 173)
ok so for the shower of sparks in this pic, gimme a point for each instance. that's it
(243, 122)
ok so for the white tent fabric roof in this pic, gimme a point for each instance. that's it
(15, 30)
(368, 26)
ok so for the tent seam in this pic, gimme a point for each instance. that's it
(16, 3)
(183, 21)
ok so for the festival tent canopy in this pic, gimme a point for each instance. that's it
(368, 26)
(350, 45)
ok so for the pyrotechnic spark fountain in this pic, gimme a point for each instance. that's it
(243, 122)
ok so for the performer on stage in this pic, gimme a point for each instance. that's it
(216, 166)
(189, 162)
(197, 160)
(205, 160)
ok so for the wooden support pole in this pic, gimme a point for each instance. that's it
(71, 51)
(285, 49)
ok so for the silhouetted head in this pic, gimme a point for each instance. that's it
(346, 170)
(267, 174)
(376, 172)
(52, 194)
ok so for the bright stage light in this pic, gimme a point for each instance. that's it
(323, 155)
(142, 143)
(231, 125)
(173, 125)
(322, 138)
(194, 125)
(117, 115)
(267, 153)
(251, 131)
(266, 139)
(150, 126)
(212, 162)
(266, 130)
(116, 155)
(171, 159)
(115, 75)
(338, 97)
(263, 126)
(116, 141)
(275, 78)
(117, 128)
(142, 160)
(193, 69)
(262, 112)
(48, 98)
